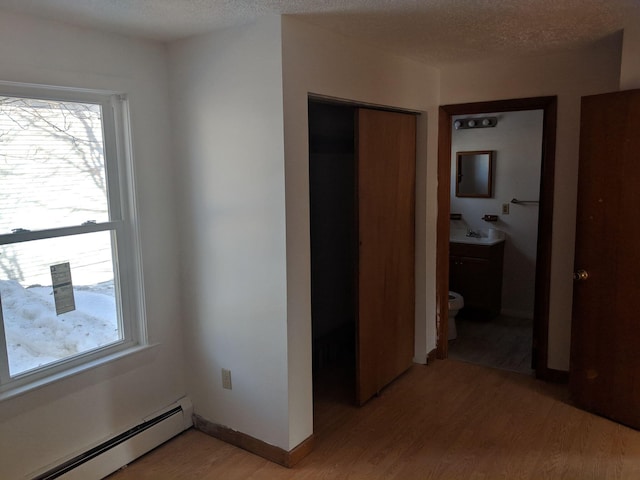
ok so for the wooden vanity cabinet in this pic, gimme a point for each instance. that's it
(475, 272)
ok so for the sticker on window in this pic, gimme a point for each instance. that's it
(62, 288)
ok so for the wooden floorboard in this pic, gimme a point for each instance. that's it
(448, 420)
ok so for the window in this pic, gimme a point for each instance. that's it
(69, 264)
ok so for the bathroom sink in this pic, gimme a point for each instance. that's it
(475, 240)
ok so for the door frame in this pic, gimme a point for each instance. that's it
(545, 219)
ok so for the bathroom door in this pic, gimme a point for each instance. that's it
(386, 154)
(605, 335)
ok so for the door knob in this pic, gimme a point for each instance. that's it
(580, 275)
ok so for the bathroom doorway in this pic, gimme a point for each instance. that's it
(510, 320)
(493, 236)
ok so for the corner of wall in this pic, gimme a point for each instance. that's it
(629, 64)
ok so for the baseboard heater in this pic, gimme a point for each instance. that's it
(109, 456)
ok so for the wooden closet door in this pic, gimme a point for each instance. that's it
(386, 153)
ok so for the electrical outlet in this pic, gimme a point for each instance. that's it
(505, 209)
(226, 379)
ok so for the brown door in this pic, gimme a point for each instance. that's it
(605, 335)
(386, 154)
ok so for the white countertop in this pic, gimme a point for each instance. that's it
(475, 240)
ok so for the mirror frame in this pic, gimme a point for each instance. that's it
(459, 156)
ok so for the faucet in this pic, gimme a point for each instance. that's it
(472, 234)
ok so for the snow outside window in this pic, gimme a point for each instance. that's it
(66, 234)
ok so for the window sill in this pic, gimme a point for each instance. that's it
(11, 391)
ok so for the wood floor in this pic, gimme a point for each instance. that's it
(503, 342)
(448, 420)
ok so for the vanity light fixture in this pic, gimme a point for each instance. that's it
(477, 122)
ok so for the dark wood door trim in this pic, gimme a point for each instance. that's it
(545, 219)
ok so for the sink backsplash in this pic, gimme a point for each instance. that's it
(458, 228)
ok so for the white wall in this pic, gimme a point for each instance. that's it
(319, 62)
(247, 304)
(41, 427)
(630, 65)
(226, 91)
(517, 144)
(568, 75)
(245, 273)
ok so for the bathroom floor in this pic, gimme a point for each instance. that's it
(502, 342)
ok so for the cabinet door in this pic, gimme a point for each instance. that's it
(475, 282)
(386, 195)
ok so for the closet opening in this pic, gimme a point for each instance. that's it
(362, 164)
(334, 257)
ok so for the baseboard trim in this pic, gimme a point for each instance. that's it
(299, 452)
(552, 375)
(258, 447)
(432, 355)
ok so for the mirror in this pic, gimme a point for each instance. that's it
(474, 173)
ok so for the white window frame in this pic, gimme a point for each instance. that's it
(126, 250)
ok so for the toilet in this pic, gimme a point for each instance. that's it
(456, 302)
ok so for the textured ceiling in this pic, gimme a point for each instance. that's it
(432, 31)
